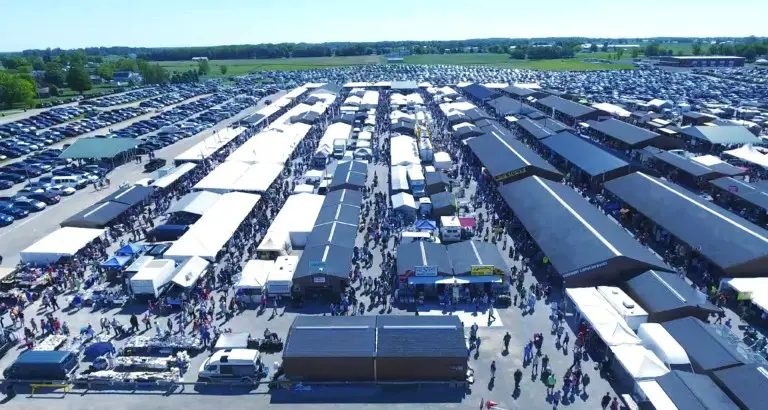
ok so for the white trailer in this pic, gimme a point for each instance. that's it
(152, 279)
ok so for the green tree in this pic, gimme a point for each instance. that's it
(78, 79)
(619, 53)
(106, 71)
(203, 67)
(593, 47)
(605, 47)
(635, 52)
(653, 50)
(24, 68)
(53, 90)
(223, 69)
(696, 49)
(15, 89)
(126, 64)
(36, 63)
(54, 74)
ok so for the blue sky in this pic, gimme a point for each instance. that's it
(154, 23)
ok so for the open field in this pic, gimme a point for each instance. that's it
(241, 67)
(503, 61)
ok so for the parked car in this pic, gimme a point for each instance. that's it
(154, 164)
(6, 219)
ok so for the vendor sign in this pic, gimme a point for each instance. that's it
(425, 271)
(481, 270)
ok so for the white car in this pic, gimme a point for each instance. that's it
(61, 190)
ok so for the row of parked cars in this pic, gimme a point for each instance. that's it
(111, 100)
(45, 119)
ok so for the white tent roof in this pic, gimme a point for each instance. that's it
(640, 363)
(611, 328)
(751, 154)
(195, 203)
(60, 243)
(708, 160)
(403, 151)
(370, 99)
(621, 302)
(364, 136)
(338, 130)
(151, 269)
(298, 214)
(284, 268)
(174, 175)
(353, 100)
(275, 241)
(210, 145)
(655, 334)
(443, 158)
(239, 176)
(403, 200)
(612, 109)
(190, 271)
(303, 189)
(215, 228)
(296, 92)
(399, 178)
(255, 274)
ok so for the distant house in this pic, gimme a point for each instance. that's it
(128, 77)
(38, 74)
(199, 58)
(95, 79)
(43, 92)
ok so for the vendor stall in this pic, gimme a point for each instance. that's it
(185, 278)
(63, 243)
(253, 280)
(280, 278)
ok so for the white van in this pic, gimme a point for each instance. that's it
(71, 181)
(232, 365)
(656, 339)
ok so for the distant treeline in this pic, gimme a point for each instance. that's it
(560, 48)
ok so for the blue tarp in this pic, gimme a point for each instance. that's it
(130, 249)
(426, 225)
(116, 262)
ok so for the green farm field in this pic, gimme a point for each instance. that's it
(503, 61)
(241, 67)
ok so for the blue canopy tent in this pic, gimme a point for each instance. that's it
(116, 262)
(426, 225)
(130, 249)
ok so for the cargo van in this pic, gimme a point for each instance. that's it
(48, 365)
(70, 181)
(232, 365)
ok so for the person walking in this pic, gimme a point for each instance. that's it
(134, 323)
(493, 369)
(518, 378)
(507, 339)
(585, 382)
(615, 404)
(566, 339)
(551, 382)
(606, 400)
(534, 365)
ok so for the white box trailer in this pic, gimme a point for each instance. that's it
(281, 278)
(152, 279)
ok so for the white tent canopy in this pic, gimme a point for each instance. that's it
(297, 217)
(166, 180)
(602, 316)
(190, 271)
(338, 130)
(656, 395)
(404, 202)
(195, 203)
(211, 233)
(754, 289)
(255, 274)
(750, 154)
(64, 242)
(639, 362)
(442, 160)
(210, 145)
(403, 151)
(240, 176)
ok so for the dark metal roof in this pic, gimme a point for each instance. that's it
(707, 350)
(690, 391)
(660, 292)
(587, 156)
(566, 107)
(476, 114)
(420, 336)
(97, 215)
(421, 254)
(518, 91)
(443, 202)
(508, 159)
(466, 254)
(480, 92)
(343, 196)
(507, 106)
(333, 233)
(750, 193)
(688, 166)
(629, 134)
(536, 129)
(734, 244)
(331, 336)
(745, 385)
(329, 260)
(585, 247)
(131, 196)
(348, 214)
(721, 135)
(469, 130)
(347, 180)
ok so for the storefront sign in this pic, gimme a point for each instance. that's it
(510, 174)
(425, 271)
(318, 279)
(317, 266)
(586, 269)
(481, 270)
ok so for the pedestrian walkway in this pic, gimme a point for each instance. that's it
(469, 317)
